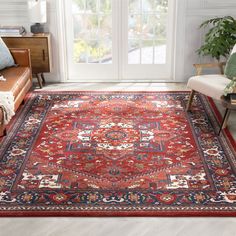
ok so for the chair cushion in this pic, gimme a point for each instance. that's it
(16, 78)
(6, 59)
(209, 85)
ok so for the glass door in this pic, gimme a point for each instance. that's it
(148, 39)
(119, 40)
(91, 33)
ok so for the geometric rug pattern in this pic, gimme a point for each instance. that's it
(117, 154)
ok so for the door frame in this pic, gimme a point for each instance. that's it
(178, 46)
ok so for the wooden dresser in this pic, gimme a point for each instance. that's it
(40, 51)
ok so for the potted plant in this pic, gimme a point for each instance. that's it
(220, 38)
(219, 42)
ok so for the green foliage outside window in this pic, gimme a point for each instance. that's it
(88, 46)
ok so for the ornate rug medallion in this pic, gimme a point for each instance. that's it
(117, 153)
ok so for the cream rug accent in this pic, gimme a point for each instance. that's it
(7, 104)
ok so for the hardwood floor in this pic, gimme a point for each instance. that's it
(118, 227)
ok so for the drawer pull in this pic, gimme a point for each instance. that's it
(43, 55)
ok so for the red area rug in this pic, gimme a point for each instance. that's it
(117, 154)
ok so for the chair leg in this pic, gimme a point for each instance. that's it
(225, 120)
(23, 102)
(190, 100)
(3, 132)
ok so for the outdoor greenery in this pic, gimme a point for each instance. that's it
(220, 38)
(148, 5)
(93, 49)
(92, 5)
(93, 26)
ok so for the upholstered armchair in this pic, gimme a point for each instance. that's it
(210, 85)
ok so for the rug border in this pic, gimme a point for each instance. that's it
(164, 214)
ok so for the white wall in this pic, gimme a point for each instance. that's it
(198, 11)
(14, 12)
(189, 37)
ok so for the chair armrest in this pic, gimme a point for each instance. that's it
(21, 56)
(200, 67)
